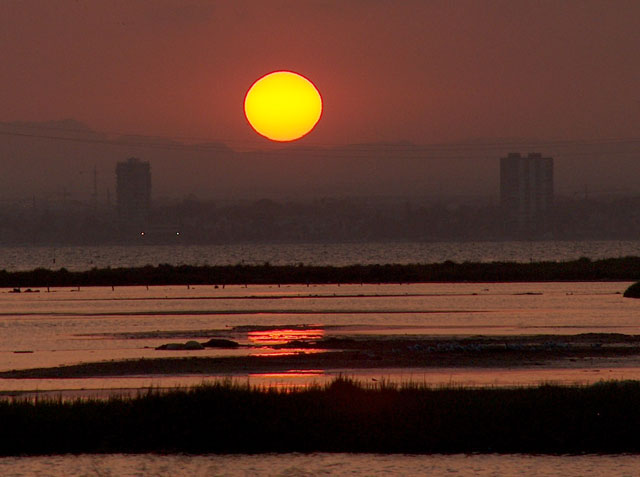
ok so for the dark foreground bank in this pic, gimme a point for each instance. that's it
(341, 417)
(623, 269)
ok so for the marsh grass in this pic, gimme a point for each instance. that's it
(342, 416)
(633, 291)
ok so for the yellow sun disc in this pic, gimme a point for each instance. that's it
(283, 106)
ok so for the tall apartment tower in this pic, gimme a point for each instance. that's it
(133, 189)
(526, 193)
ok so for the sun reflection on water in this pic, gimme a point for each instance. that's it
(289, 380)
(284, 336)
(287, 352)
(270, 341)
(292, 373)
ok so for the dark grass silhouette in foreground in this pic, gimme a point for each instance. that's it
(342, 416)
(584, 269)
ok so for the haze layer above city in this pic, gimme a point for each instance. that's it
(421, 99)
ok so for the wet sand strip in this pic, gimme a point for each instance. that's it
(372, 358)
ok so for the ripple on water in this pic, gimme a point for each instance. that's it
(319, 464)
(84, 258)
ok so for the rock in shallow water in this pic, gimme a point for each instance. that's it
(220, 343)
(188, 346)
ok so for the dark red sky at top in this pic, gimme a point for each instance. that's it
(421, 71)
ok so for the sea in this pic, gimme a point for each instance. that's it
(63, 326)
(58, 326)
(80, 258)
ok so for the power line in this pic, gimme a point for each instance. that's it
(433, 151)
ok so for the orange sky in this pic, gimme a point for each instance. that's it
(388, 70)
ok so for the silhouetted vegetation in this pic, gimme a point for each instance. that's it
(627, 268)
(633, 291)
(340, 417)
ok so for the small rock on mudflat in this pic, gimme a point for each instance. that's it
(220, 343)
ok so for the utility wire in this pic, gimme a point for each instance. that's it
(607, 146)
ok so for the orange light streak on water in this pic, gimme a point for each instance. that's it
(293, 373)
(284, 336)
(288, 352)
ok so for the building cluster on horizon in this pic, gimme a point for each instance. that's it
(133, 190)
(529, 210)
(526, 193)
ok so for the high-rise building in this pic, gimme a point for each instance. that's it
(133, 189)
(526, 192)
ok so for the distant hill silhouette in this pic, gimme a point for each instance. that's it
(56, 158)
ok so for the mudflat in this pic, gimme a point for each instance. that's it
(590, 350)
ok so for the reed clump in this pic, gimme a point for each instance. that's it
(343, 416)
(633, 291)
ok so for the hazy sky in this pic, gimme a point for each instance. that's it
(422, 71)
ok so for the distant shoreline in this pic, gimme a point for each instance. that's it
(584, 269)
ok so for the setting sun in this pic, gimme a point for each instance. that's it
(283, 106)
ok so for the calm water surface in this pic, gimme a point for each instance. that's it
(320, 464)
(67, 326)
(84, 258)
